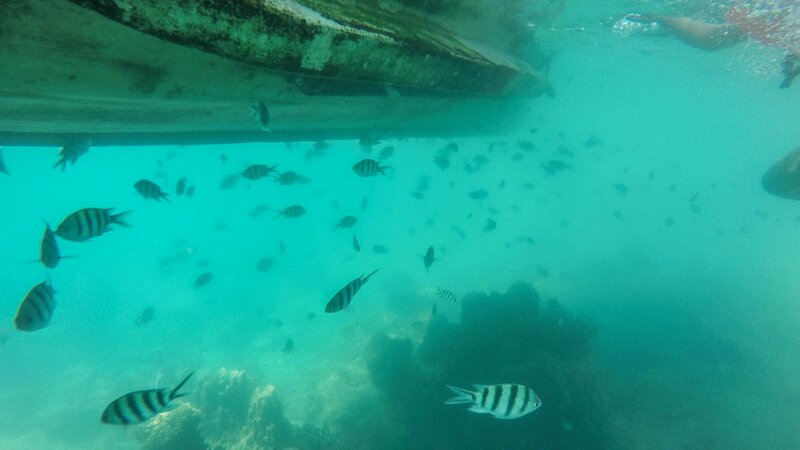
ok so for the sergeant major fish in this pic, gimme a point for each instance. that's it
(258, 171)
(345, 295)
(141, 406)
(444, 294)
(428, 259)
(36, 308)
(262, 112)
(87, 223)
(71, 151)
(503, 401)
(49, 253)
(148, 189)
(369, 168)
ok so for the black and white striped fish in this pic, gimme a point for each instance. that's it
(258, 171)
(87, 223)
(49, 253)
(71, 151)
(345, 295)
(148, 189)
(446, 295)
(369, 168)
(262, 112)
(36, 309)
(141, 406)
(503, 401)
(292, 212)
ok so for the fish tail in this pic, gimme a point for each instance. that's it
(174, 393)
(119, 219)
(382, 168)
(364, 280)
(462, 396)
(164, 196)
(61, 162)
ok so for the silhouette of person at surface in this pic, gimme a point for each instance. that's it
(775, 23)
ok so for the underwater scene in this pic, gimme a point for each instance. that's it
(610, 263)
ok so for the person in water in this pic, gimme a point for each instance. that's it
(775, 23)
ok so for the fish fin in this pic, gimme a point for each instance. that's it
(382, 168)
(62, 162)
(164, 196)
(174, 393)
(477, 409)
(119, 219)
(364, 279)
(462, 396)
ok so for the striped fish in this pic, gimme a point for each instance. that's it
(148, 189)
(345, 295)
(446, 295)
(503, 401)
(87, 223)
(262, 112)
(49, 254)
(258, 171)
(71, 151)
(369, 168)
(36, 309)
(292, 212)
(141, 406)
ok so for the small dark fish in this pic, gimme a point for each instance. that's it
(346, 222)
(190, 191)
(258, 210)
(593, 141)
(318, 149)
(445, 295)
(145, 316)
(258, 171)
(292, 212)
(517, 157)
(180, 186)
(288, 347)
(223, 158)
(379, 249)
(265, 263)
(311, 316)
(386, 153)
(290, 178)
(356, 245)
(3, 167)
(203, 279)
(36, 309)
(87, 223)
(452, 147)
(345, 295)
(49, 253)
(480, 194)
(141, 406)
(553, 166)
(621, 189)
(229, 181)
(418, 195)
(369, 168)
(491, 224)
(277, 323)
(428, 259)
(71, 151)
(364, 203)
(526, 146)
(148, 189)
(260, 109)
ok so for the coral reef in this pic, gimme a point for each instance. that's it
(501, 338)
(229, 412)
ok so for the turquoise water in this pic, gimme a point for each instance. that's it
(675, 322)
